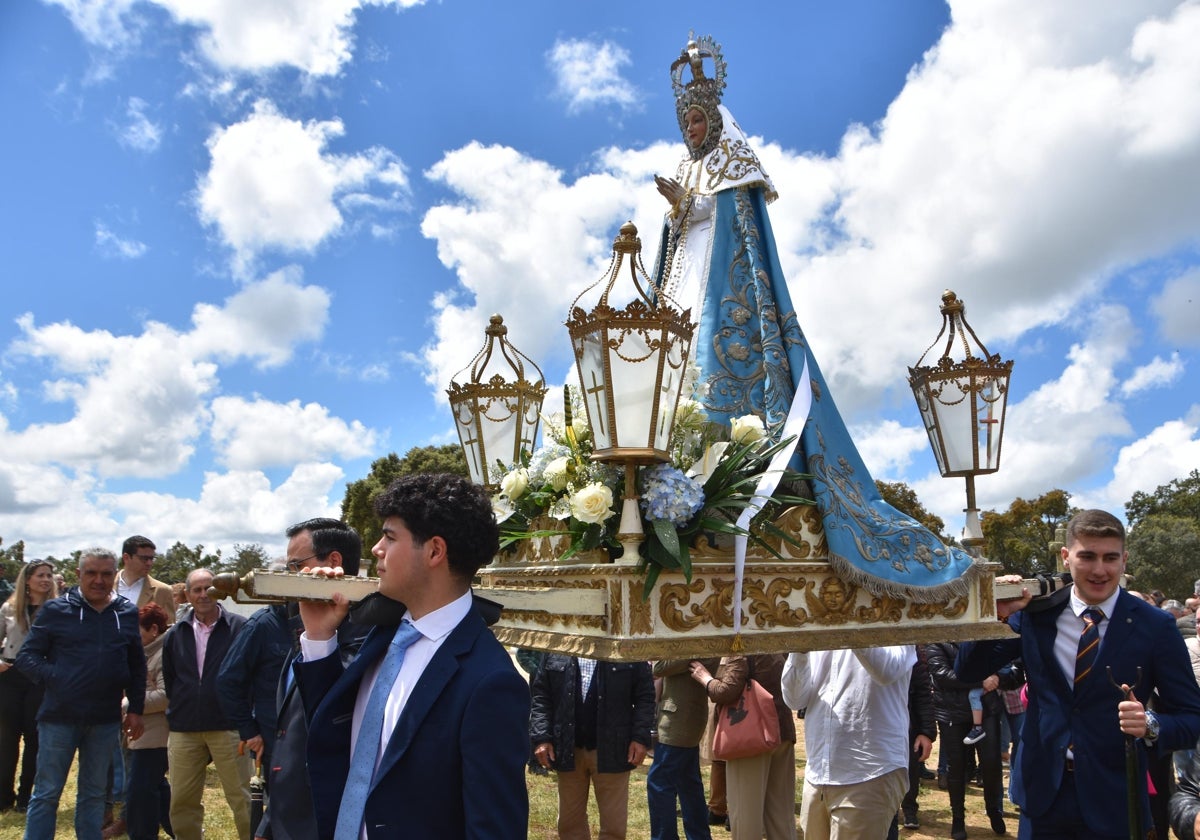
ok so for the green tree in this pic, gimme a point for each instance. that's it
(174, 564)
(1180, 497)
(1020, 537)
(11, 560)
(358, 505)
(904, 499)
(1162, 554)
(247, 558)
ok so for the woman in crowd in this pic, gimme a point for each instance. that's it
(149, 799)
(761, 789)
(19, 696)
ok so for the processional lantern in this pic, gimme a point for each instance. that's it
(631, 365)
(962, 405)
(496, 415)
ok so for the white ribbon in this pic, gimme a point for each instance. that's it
(767, 482)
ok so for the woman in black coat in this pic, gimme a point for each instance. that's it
(952, 710)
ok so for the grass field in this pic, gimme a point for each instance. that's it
(543, 810)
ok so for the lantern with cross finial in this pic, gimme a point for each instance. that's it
(962, 405)
(496, 415)
(631, 365)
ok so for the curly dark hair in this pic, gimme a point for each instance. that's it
(446, 506)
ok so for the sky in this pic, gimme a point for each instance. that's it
(245, 244)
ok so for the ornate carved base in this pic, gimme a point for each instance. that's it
(597, 610)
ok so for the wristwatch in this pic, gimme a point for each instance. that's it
(1151, 728)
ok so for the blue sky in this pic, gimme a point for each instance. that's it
(245, 244)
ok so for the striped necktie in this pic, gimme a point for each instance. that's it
(1089, 642)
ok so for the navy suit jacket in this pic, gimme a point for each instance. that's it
(1138, 635)
(455, 765)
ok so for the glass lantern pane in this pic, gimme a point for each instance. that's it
(589, 356)
(634, 370)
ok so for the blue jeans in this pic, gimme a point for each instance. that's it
(57, 744)
(676, 772)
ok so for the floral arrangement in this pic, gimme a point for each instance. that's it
(699, 494)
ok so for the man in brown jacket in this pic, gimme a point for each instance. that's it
(675, 773)
(134, 580)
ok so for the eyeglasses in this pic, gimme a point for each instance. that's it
(298, 564)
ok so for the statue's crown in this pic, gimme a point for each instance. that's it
(702, 91)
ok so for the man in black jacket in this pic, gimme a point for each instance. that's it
(289, 814)
(952, 708)
(591, 721)
(199, 731)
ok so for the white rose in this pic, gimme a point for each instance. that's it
(556, 473)
(592, 504)
(581, 427)
(747, 429)
(515, 483)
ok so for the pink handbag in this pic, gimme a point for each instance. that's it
(748, 727)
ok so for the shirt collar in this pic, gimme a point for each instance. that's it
(438, 624)
(1078, 606)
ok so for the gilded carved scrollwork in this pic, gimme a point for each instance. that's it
(769, 606)
(545, 619)
(945, 609)
(641, 620)
(715, 610)
(803, 522)
(616, 614)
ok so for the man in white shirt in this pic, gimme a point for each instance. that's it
(449, 757)
(855, 737)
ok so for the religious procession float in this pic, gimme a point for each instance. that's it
(698, 492)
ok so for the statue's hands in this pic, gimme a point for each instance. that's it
(670, 189)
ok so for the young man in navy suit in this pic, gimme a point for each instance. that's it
(1069, 776)
(450, 758)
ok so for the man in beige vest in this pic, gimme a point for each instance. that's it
(134, 580)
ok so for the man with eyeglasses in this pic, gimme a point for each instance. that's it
(312, 544)
(134, 580)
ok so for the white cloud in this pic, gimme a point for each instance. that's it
(250, 36)
(1168, 452)
(272, 184)
(140, 402)
(888, 448)
(111, 245)
(1178, 309)
(1157, 373)
(588, 73)
(252, 434)
(139, 131)
(241, 506)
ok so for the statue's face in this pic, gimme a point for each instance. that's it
(695, 127)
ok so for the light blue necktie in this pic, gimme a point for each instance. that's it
(370, 730)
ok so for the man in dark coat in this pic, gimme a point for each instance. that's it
(591, 721)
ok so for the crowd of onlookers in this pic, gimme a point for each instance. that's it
(143, 685)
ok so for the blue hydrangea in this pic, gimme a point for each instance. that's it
(669, 494)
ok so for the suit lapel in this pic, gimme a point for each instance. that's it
(1046, 631)
(1118, 632)
(433, 681)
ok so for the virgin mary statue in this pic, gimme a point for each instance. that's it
(718, 257)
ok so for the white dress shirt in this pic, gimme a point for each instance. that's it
(434, 628)
(856, 723)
